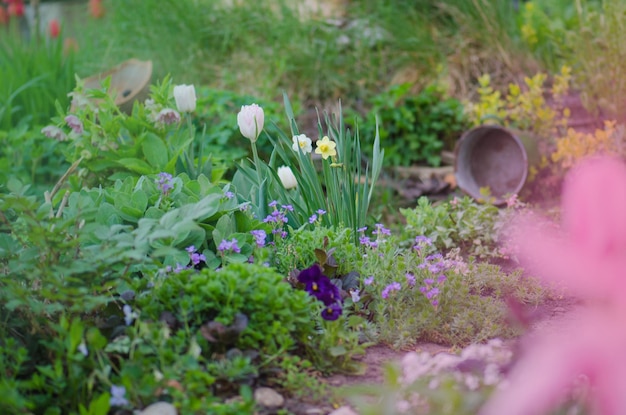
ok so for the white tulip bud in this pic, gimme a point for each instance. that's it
(287, 178)
(250, 120)
(185, 96)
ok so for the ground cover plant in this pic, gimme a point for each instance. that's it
(174, 249)
(220, 243)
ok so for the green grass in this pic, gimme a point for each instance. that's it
(35, 73)
(265, 46)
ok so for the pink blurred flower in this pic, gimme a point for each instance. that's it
(54, 28)
(589, 258)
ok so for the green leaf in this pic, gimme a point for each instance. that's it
(100, 405)
(155, 151)
(336, 351)
(136, 165)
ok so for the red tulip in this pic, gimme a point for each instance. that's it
(4, 17)
(96, 9)
(16, 8)
(70, 45)
(54, 28)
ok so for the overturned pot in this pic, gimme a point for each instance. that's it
(493, 158)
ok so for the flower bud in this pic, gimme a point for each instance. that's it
(168, 116)
(54, 28)
(250, 120)
(52, 131)
(74, 123)
(185, 96)
(287, 178)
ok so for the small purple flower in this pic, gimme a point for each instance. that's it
(54, 132)
(229, 195)
(321, 212)
(436, 255)
(229, 246)
(361, 230)
(369, 280)
(313, 218)
(196, 258)
(74, 123)
(319, 285)
(190, 249)
(273, 203)
(259, 237)
(394, 286)
(436, 267)
(179, 268)
(118, 396)
(129, 315)
(355, 296)
(421, 239)
(410, 279)
(288, 208)
(432, 293)
(82, 347)
(441, 278)
(331, 312)
(168, 116)
(381, 230)
(165, 182)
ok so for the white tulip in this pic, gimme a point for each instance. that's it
(250, 120)
(303, 142)
(287, 178)
(185, 96)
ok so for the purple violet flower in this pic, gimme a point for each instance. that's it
(331, 312)
(118, 396)
(394, 286)
(229, 246)
(410, 279)
(259, 237)
(165, 182)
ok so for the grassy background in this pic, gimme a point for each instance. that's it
(264, 46)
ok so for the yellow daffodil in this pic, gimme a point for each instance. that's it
(326, 148)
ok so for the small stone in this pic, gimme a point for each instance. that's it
(159, 408)
(343, 410)
(314, 411)
(268, 398)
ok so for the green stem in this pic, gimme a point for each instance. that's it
(261, 195)
(257, 163)
(192, 132)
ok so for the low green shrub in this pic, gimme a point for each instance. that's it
(459, 223)
(26, 156)
(241, 305)
(417, 293)
(414, 128)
